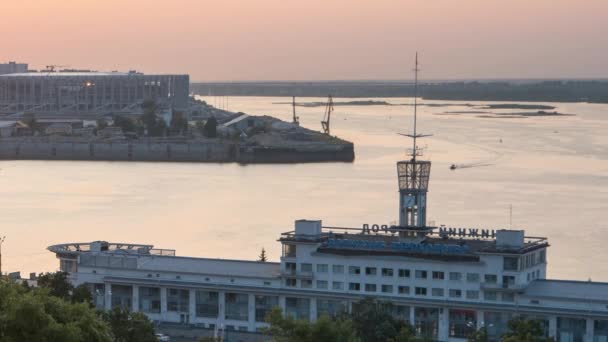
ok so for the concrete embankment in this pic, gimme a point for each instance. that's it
(158, 150)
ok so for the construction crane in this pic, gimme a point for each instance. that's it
(296, 119)
(327, 118)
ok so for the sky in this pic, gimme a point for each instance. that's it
(230, 40)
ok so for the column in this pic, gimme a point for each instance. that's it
(163, 303)
(313, 309)
(251, 313)
(222, 308)
(282, 304)
(589, 333)
(480, 319)
(412, 318)
(443, 325)
(192, 305)
(553, 326)
(108, 294)
(135, 298)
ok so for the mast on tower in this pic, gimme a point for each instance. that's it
(413, 175)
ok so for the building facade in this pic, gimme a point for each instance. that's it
(96, 93)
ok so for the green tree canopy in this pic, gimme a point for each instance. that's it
(210, 130)
(522, 330)
(129, 326)
(35, 315)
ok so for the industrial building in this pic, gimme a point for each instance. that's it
(13, 68)
(89, 93)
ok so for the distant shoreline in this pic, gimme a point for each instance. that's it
(590, 91)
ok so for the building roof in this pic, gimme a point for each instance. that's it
(568, 290)
(76, 74)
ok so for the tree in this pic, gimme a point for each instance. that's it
(30, 120)
(57, 284)
(129, 326)
(288, 329)
(126, 124)
(211, 128)
(101, 124)
(373, 321)
(82, 294)
(522, 330)
(262, 256)
(480, 335)
(35, 315)
(179, 123)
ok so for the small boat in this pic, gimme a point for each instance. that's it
(453, 167)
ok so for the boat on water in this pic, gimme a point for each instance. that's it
(447, 282)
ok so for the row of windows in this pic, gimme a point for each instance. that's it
(390, 272)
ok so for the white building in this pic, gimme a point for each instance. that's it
(446, 282)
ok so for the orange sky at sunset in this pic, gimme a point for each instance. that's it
(312, 39)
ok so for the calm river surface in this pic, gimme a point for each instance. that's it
(552, 170)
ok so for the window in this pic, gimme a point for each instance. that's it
(387, 288)
(337, 285)
(403, 289)
(289, 251)
(473, 277)
(298, 308)
(263, 305)
(178, 300)
(436, 292)
(370, 287)
(306, 283)
(354, 286)
(321, 284)
(207, 304)
(490, 295)
(291, 282)
(508, 297)
(455, 276)
(508, 280)
(370, 271)
(472, 294)
(421, 291)
(322, 268)
(337, 269)
(510, 263)
(331, 308)
(387, 272)
(542, 256)
(290, 268)
(455, 293)
(491, 278)
(149, 299)
(306, 267)
(420, 274)
(438, 275)
(237, 306)
(354, 270)
(404, 273)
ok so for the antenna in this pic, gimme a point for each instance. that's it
(510, 216)
(415, 151)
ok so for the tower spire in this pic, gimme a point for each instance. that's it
(413, 175)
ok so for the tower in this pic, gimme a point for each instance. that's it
(413, 177)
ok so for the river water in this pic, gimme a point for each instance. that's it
(553, 171)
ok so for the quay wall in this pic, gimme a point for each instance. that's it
(178, 151)
(119, 151)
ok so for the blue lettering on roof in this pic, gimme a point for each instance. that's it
(398, 246)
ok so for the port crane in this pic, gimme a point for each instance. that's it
(329, 108)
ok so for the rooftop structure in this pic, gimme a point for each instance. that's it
(12, 68)
(93, 93)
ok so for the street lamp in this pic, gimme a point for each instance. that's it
(1, 242)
